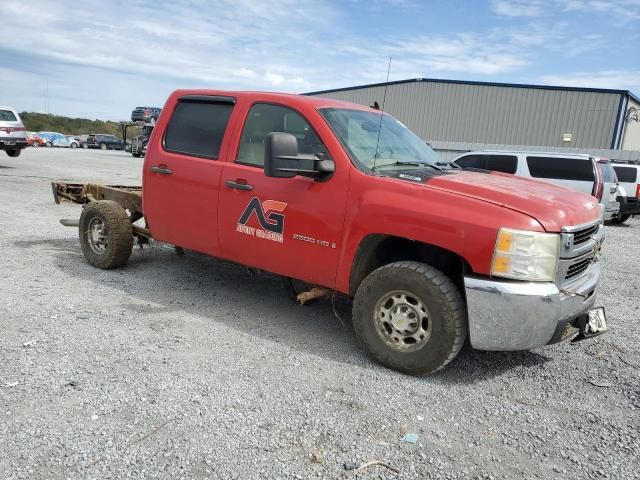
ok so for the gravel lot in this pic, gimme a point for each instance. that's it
(186, 367)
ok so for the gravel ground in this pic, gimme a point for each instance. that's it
(186, 367)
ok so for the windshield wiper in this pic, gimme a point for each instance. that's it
(417, 164)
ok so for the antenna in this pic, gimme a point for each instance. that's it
(384, 98)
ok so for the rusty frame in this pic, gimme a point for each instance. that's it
(130, 198)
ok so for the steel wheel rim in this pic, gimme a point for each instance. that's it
(97, 236)
(402, 321)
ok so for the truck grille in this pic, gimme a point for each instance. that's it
(578, 268)
(582, 236)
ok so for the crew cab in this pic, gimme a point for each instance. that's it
(347, 199)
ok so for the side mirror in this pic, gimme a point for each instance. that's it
(282, 160)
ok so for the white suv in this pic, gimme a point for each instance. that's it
(576, 171)
(628, 190)
(13, 135)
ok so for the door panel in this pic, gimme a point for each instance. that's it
(182, 173)
(290, 226)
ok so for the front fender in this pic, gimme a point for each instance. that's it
(463, 225)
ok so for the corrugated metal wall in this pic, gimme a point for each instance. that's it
(496, 114)
(631, 138)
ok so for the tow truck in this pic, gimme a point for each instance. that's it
(345, 198)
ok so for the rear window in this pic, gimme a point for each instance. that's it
(626, 174)
(7, 116)
(197, 128)
(608, 173)
(561, 168)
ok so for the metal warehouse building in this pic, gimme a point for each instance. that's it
(491, 114)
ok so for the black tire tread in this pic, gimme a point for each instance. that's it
(454, 307)
(120, 231)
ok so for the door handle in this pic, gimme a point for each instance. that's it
(238, 185)
(161, 169)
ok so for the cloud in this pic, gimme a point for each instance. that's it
(517, 8)
(614, 79)
(135, 52)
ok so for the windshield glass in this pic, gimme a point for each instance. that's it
(357, 130)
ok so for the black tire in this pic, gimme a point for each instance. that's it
(117, 234)
(620, 219)
(137, 155)
(446, 314)
(73, 145)
(103, 146)
(14, 152)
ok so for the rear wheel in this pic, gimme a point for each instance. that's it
(410, 317)
(48, 144)
(85, 146)
(106, 234)
(74, 145)
(14, 152)
(103, 146)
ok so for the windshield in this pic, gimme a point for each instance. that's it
(396, 145)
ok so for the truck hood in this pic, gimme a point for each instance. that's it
(551, 205)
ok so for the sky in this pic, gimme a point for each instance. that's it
(103, 58)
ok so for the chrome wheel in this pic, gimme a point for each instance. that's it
(97, 236)
(402, 321)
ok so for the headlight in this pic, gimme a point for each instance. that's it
(524, 255)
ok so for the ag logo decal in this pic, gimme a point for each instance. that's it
(269, 218)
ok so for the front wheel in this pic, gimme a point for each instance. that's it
(48, 144)
(103, 146)
(410, 317)
(14, 152)
(620, 218)
(74, 145)
(106, 234)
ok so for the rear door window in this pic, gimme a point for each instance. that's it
(472, 161)
(502, 163)
(197, 128)
(7, 116)
(626, 174)
(561, 168)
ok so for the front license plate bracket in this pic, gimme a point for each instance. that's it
(591, 324)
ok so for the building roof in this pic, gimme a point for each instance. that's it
(486, 84)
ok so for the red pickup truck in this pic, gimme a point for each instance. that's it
(345, 197)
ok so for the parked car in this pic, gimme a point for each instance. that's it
(54, 139)
(145, 114)
(609, 189)
(74, 142)
(35, 141)
(13, 135)
(577, 171)
(628, 191)
(104, 142)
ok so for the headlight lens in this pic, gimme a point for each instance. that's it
(524, 255)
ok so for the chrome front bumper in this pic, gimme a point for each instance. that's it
(514, 315)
